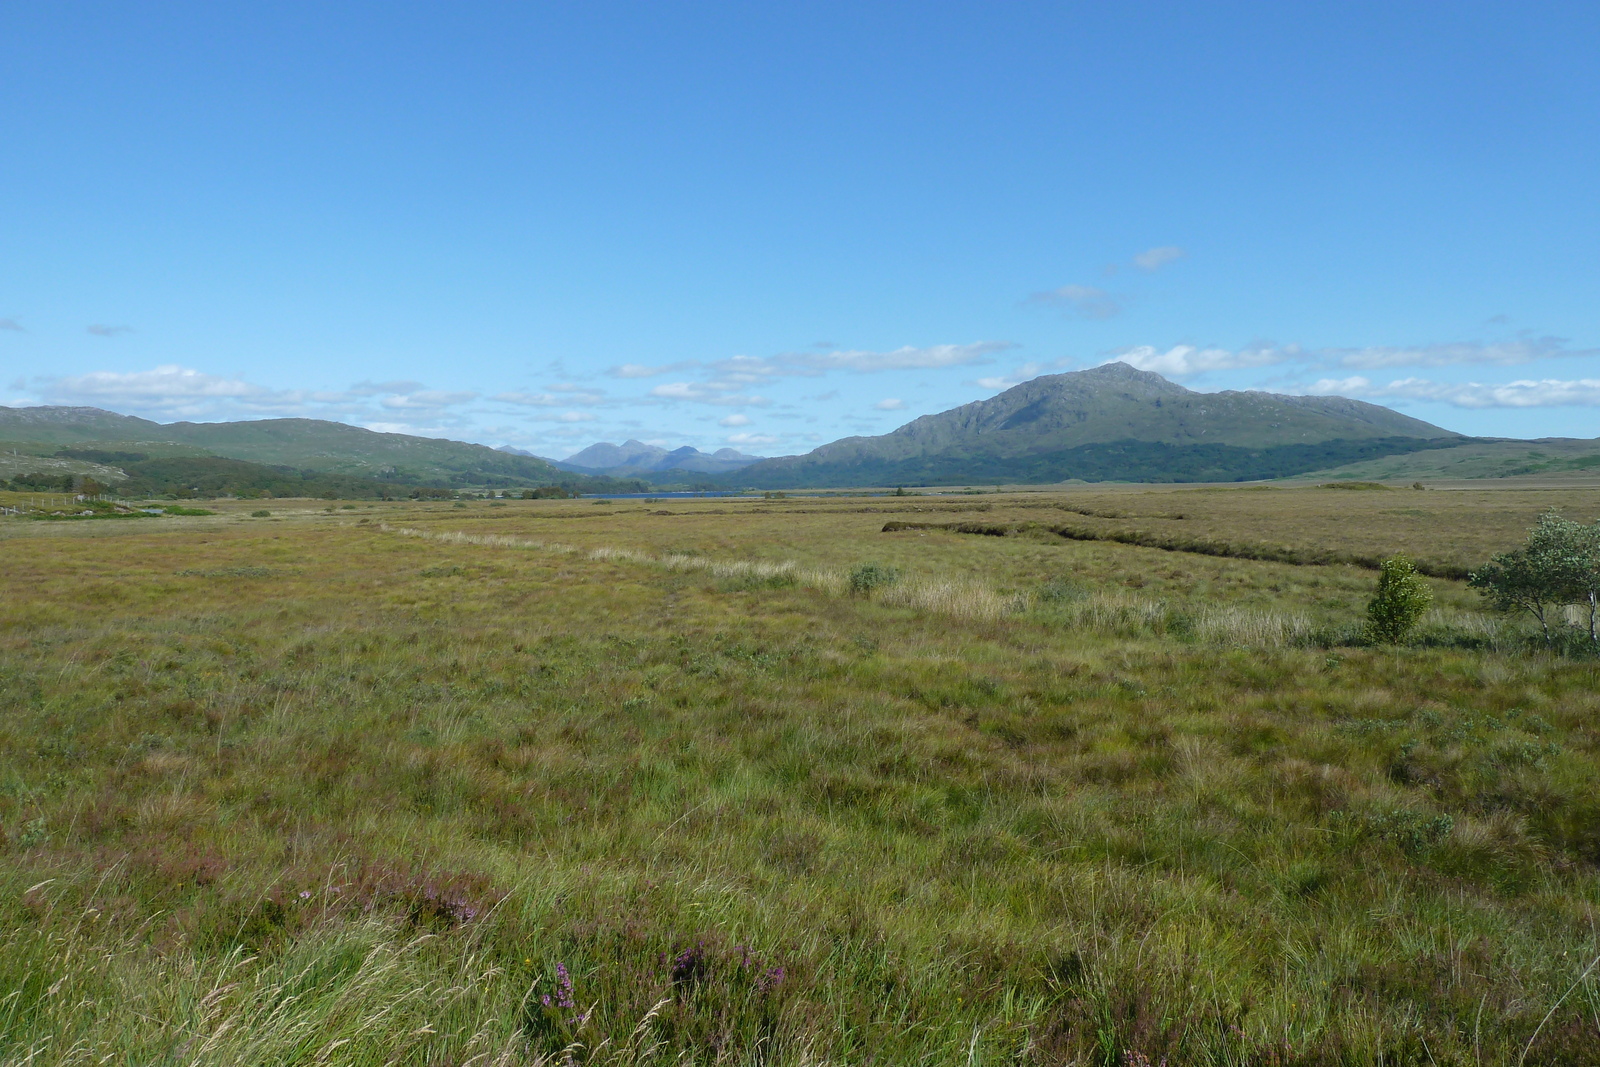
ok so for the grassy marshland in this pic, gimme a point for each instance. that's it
(304, 788)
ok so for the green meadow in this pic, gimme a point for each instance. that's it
(759, 782)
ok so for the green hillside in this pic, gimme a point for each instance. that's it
(1548, 458)
(303, 444)
(1111, 423)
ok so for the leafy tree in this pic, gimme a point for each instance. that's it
(1559, 565)
(1402, 598)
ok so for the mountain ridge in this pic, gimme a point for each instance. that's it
(1050, 426)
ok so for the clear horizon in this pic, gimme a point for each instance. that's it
(768, 229)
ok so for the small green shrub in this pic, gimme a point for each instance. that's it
(261, 514)
(869, 576)
(1402, 598)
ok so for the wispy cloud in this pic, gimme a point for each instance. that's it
(1524, 393)
(12, 324)
(382, 388)
(102, 330)
(171, 391)
(1185, 361)
(1156, 258)
(904, 358)
(1086, 301)
(734, 420)
(1022, 373)
(752, 439)
(581, 398)
(426, 400)
(744, 370)
(640, 370)
(732, 382)
(706, 393)
(1501, 353)
(890, 404)
(166, 388)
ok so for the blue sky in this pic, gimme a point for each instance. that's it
(770, 226)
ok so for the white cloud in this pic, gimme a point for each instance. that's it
(1084, 300)
(751, 439)
(1156, 258)
(1501, 353)
(551, 399)
(1524, 393)
(740, 371)
(175, 392)
(380, 388)
(576, 416)
(426, 400)
(1184, 361)
(890, 404)
(167, 388)
(1026, 372)
(1356, 386)
(904, 358)
(732, 382)
(705, 393)
(735, 420)
(640, 370)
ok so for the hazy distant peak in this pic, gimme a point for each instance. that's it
(634, 457)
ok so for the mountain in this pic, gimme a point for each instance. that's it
(1111, 423)
(303, 444)
(633, 458)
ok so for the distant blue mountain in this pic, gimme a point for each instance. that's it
(634, 458)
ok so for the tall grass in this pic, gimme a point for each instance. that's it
(266, 788)
(1114, 613)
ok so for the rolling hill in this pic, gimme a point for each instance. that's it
(301, 444)
(1545, 460)
(1111, 423)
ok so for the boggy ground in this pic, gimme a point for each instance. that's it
(307, 788)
